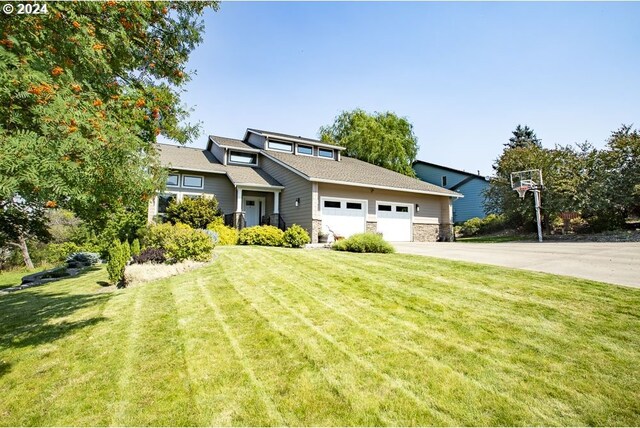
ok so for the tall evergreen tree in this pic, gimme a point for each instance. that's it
(523, 137)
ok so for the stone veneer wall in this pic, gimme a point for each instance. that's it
(446, 232)
(316, 227)
(372, 226)
(425, 232)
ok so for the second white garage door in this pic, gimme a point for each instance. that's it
(394, 221)
(343, 217)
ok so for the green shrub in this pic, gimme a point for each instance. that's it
(478, 226)
(296, 237)
(368, 242)
(269, 236)
(126, 251)
(117, 263)
(194, 212)
(55, 253)
(180, 242)
(135, 247)
(226, 235)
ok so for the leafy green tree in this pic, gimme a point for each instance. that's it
(84, 92)
(21, 221)
(622, 160)
(383, 139)
(523, 137)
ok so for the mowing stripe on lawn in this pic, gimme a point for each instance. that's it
(389, 382)
(272, 411)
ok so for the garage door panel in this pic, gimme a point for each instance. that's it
(343, 217)
(394, 221)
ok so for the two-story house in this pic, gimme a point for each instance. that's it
(279, 179)
(471, 185)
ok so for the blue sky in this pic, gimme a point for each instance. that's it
(465, 74)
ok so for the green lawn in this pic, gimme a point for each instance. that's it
(311, 337)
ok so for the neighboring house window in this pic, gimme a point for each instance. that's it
(173, 180)
(283, 147)
(444, 180)
(384, 207)
(193, 181)
(331, 204)
(243, 158)
(354, 206)
(305, 150)
(163, 201)
(402, 209)
(325, 153)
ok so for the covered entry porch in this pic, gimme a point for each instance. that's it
(256, 206)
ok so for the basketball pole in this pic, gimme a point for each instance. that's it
(536, 197)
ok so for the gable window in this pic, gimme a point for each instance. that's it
(305, 150)
(444, 180)
(193, 181)
(384, 207)
(325, 153)
(243, 158)
(173, 180)
(331, 204)
(354, 206)
(283, 147)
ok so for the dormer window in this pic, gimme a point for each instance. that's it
(305, 150)
(243, 158)
(283, 147)
(325, 153)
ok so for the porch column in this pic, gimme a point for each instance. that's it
(238, 200)
(276, 202)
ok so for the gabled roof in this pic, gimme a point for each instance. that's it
(199, 160)
(450, 169)
(287, 137)
(354, 172)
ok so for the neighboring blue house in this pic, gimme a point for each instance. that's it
(469, 184)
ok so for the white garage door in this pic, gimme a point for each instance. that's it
(394, 221)
(343, 217)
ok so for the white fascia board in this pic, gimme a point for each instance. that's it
(206, 171)
(375, 186)
(259, 187)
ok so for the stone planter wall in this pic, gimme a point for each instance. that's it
(425, 232)
(372, 226)
(316, 227)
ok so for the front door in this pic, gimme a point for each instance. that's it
(253, 210)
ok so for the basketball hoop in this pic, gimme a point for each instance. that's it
(523, 181)
(522, 190)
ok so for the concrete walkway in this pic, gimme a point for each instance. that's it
(612, 262)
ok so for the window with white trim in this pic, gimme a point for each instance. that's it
(173, 180)
(354, 206)
(283, 147)
(325, 153)
(384, 207)
(164, 199)
(401, 209)
(305, 150)
(243, 158)
(193, 181)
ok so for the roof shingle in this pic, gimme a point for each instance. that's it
(353, 171)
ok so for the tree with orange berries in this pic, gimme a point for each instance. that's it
(85, 90)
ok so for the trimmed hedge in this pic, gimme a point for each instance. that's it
(226, 235)
(269, 236)
(135, 247)
(368, 242)
(117, 263)
(296, 237)
(180, 242)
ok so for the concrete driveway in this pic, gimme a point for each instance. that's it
(612, 262)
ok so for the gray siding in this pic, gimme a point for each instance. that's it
(218, 152)
(214, 184)
(294, 187)
(431, 206)
(256, 140)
